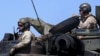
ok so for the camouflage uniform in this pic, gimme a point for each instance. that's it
(89, 23)
(25, 38)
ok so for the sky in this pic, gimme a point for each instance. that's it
(50, 11)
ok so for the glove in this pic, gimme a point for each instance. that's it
(12, 51)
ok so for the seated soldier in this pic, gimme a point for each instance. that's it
(25, 38)
(87, 21)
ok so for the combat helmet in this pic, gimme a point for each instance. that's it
(85, 7)
(24, 22)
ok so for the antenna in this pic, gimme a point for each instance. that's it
(36, 12)
(14, 32)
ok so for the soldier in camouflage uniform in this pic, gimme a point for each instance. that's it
(25, 38)
(87, 20)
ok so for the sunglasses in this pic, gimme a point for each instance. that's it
(21, 25)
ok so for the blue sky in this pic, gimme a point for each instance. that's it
(51, 11)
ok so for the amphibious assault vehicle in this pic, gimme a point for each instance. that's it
(61, 44)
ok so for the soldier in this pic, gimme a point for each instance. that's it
(87, 20)
(25, 38)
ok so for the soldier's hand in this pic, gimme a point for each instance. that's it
(12, 51)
